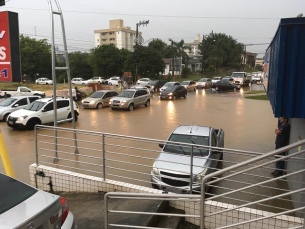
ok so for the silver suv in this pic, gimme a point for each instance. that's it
(130, 98)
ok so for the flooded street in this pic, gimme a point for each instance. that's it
(248, 124)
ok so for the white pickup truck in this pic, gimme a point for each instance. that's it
(20, 91)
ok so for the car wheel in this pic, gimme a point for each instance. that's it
(99, 106)
(99, 82)
(131, 107)
(185, 95)
(174, 97)
(110, 83)
(83, 84)
(216, 88)
(31, 125)
(5, 117)
(234, 89)
(147, 104)
(76, 117)
(47, 84)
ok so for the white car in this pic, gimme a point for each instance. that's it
(41, 112)
(79, 81)
(216, 79)
(97, 79)
(146, 87)
(143, 81)
(204, 83)
(45, 81)
(115, 80)
(169, 84)
(23, 206)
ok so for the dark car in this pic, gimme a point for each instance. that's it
(173, 92)
(225, 85)
(229, 78)
(156, 84)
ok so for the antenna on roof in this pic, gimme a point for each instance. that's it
(192, 127)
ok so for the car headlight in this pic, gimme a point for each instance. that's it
(92, 102)
(198, 177)
(152, 87)
(124, 101)
(170, 93)
(155, 171)
(22, 118)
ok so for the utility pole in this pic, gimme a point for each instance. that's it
(138, 40)
(173, 65)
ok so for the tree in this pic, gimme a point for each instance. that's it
(79, 65)
(300, 15)
(35, 57)
(158, 45)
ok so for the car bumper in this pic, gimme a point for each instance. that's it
(166, 96)
(69, 222)
(17, 125)
(89, 105)
(119, 105)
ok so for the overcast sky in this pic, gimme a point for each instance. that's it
(249, 22)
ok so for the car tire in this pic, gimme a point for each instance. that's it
(99, 106)
(76, 117)
(216, 88)
(47, 84)
(131, 107)
(185, 95)
(83, 84)
(234, 89)
(31, 124)
(99, 82)
(174, 97)
(147, 104)
(5, 116)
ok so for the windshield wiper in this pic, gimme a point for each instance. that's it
(196, 147)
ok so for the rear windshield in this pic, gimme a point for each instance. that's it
(186, 150)
(35, 106)
(126, 94)
(97, 94)
(202, 80)
(185, 83)
(217, 78)
(7, 102)
(237, 75)
(13, 192)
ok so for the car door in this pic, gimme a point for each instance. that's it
(137, 98)
(63, 109)
(47, 114)
(106, 98)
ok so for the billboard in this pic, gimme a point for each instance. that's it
(10, 70)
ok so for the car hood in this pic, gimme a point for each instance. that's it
(2, 108)
(91, 99)
(120, 98)
(168, 161)
(21, 112)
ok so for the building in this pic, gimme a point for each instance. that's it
(250, 59)
(193, 48)
(118, 34)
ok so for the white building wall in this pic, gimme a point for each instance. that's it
(120, 39)
(97, 39)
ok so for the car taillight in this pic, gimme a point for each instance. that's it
(65, 209)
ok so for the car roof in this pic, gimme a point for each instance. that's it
(51, 99)
(192, 130)
(24, 96)
(105, 91)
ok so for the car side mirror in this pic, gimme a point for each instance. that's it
(44, 110)
(16, 105)
(161, 145)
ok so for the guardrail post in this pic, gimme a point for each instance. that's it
(104, 162)
(36, 145)
(191, 172)
(202, 209)
(106, 210)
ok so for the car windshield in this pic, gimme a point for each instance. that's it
(98, 94)
(126, 94)
(202, 80)
(185, 83)
(153, 82)
(7, 102)
(169, 84)
(13, 192)
(35, 106)
(237, 75)
(171, 88)
(198, 140)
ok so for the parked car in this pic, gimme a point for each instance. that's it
(256, 78)
(146, 87)
(169, 84)
(79, 81)
(171, 169)
(204, 83)
(225, 85)
(174, 92)
(15, 103)
(6, 93)
(130, 98)
(45, 81)
(229, 78)
(115, 80)
(99, 99)
(143, 81)
(156, 84)
(97, 79)
(41, 112)
(216, 79)
(23, 206)
(241, 78)
(189, 85)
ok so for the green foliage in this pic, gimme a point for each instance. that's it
(258, 97)
(186, 72)
(79, 65)
(256, 92)
(35, 57)
(158, 45)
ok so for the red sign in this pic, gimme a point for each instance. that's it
(5, 58)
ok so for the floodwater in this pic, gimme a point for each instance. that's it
(248, 124)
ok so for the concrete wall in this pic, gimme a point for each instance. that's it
(297, 133)
(66, 181)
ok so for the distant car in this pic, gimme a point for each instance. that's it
(143, 81)
(225, 86)
(169, 84)
(99, 99)
(204, 83)
(130, 98)
(146, 87)
(45, 81)
(189, 85)
(115, 80)
(229, 78)
(256, 78)
(79, 81)
(23, 206)
(156, 84)
(15, 103)
(41, 111)
(174, 92)
(97, 79)
(216, 79)
(241, 78)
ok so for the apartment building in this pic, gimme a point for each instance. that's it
(118, 34)
(193, 47)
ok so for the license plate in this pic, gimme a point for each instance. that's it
(10, 122)
(174, 190)
(163, 97)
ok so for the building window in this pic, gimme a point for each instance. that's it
(104, 39)
(103, 34)
(110, 33)
(112, 39)
(98, 40)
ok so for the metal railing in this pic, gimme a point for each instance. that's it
(240, 181)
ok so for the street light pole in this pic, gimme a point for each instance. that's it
(173, 65)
